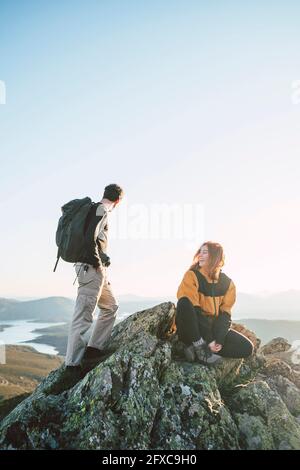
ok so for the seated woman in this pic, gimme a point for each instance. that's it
(203, 319)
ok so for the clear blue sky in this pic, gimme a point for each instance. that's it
(179, 102)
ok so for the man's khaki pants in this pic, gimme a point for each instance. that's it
(94, 289)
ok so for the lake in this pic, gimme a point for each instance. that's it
(19, 331)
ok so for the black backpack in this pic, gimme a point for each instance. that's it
(70, 231)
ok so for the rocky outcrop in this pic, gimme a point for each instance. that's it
(146, 396)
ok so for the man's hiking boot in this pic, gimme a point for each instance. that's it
(95, 353)
(189, 353)
(93, 356)
(205, 356)
(67, 379)
(92, 353)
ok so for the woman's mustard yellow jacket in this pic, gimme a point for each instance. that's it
(214, 299)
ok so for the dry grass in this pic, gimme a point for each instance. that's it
(24, 370)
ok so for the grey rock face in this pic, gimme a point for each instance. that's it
(146, 396)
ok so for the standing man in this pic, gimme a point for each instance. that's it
(94, 289)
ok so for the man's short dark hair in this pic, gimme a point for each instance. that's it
(113, 192)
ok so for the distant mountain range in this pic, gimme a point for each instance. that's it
(268, 316)
(278, 306)
(58, 309)
(269, 329)
(49, 309)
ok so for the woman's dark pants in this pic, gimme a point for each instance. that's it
(192, 325)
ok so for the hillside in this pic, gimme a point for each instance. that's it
(23, 371)
(56, 336)
(50, 309)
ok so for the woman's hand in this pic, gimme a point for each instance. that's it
(215, 347)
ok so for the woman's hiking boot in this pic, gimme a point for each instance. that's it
(189, 353)
(205, 356)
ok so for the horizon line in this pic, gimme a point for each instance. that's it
(138, 296)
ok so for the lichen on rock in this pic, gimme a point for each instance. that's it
(146, 396)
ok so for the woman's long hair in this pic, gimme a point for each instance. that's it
(215, 261)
